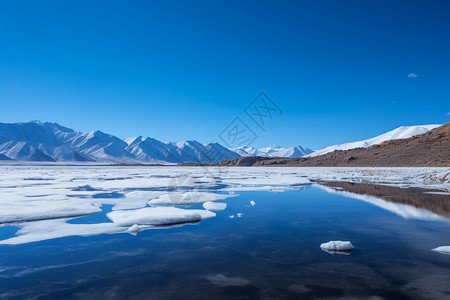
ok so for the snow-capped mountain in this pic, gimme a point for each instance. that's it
(37, 141)
(402, 132)
(153, 151)
(273, 151)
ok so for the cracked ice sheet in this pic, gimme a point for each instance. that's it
(132, 200)
(43, 192)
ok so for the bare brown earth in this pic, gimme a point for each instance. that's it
(431, 149)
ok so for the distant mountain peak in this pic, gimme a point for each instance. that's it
(273, 151)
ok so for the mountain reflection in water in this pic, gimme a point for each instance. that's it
(434, 201)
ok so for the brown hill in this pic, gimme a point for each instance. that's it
(431, 149)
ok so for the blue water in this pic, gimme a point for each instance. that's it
(271, 252)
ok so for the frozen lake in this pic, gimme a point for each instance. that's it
(203, 233)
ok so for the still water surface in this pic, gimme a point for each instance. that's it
(271, 252)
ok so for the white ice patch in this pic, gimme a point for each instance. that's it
(268, 181)
(51, 229)
(188, 198)
(44, 210)
(136, 199)
(442, 249)
(158, 216)
(337, 246)
(214, 206)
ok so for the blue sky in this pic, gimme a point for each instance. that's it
(177, 70)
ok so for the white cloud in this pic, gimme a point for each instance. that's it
(412, 75)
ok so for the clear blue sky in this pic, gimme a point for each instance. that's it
(177, 70)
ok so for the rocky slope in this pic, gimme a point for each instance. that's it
(429, 149)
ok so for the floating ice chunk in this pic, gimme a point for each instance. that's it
(158, 216)
(44, 210)
(188, 198)
(239, 215)
(442, 249)
(252, 203)
(214, 206)
(57, 228)
(225, 281)
(337, 246)
(231, 217)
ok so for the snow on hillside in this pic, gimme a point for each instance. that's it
(37, 141)
(402, 132)
(273, 151)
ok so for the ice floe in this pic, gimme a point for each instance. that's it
(44, 210)
(337, 247)
(158, 216)
(214, 206)
(57, 228)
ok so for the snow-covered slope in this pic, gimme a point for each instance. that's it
(402, 132)
(154, 151)
(101, 147)
(193, 151)
(37, 141)
(273, 151)
(23, 151)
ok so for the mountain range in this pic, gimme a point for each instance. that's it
(37, 141)
(51, 142)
